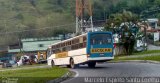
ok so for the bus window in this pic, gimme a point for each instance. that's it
(84, 38)
(63, 49)
(84, 44)
(81, 45)
(98, 39)
(68, 48)
(49, 52)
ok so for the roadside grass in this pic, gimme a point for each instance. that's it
(147, 52)
(33, 65)
(23, 66)
(34, 75)
(153, 58)
(141, 53)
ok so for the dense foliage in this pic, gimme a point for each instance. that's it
(34, 18)
(143, 8)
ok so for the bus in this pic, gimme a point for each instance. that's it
(88, 48)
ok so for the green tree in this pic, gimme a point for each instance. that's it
(123, 22)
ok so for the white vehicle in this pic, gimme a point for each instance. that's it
(21, 60)
(140, 45)
(88, 49)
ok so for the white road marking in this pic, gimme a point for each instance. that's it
(77, 74)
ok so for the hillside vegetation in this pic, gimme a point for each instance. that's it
(46, 18)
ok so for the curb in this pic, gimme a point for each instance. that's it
(62, 78)
(138, 61)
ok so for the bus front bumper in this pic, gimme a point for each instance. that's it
(100, 58)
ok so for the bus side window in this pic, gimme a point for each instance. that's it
(72, 47)
(84, 44)
(57, 50)
(53, 51)
(81, 45)
(77, 46)
(84, 38)
(68, 48)
(64, 49)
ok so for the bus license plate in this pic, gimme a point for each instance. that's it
(101, 55)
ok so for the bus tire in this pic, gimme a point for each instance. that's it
(91, 64)
(52, 64)
(72, 65)
(68, 66)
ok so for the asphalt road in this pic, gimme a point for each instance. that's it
(153, 47)
(103, 73)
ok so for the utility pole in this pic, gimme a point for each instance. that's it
(20, 45)
(83, 7)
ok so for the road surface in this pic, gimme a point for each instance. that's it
(107, 70)
(153, 47)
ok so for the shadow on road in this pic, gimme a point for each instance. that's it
(86, 67)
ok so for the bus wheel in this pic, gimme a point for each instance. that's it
(91, 64)
(72, 65)
(52, 63)
(68, 66)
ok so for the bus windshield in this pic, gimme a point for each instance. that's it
(101, 39)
